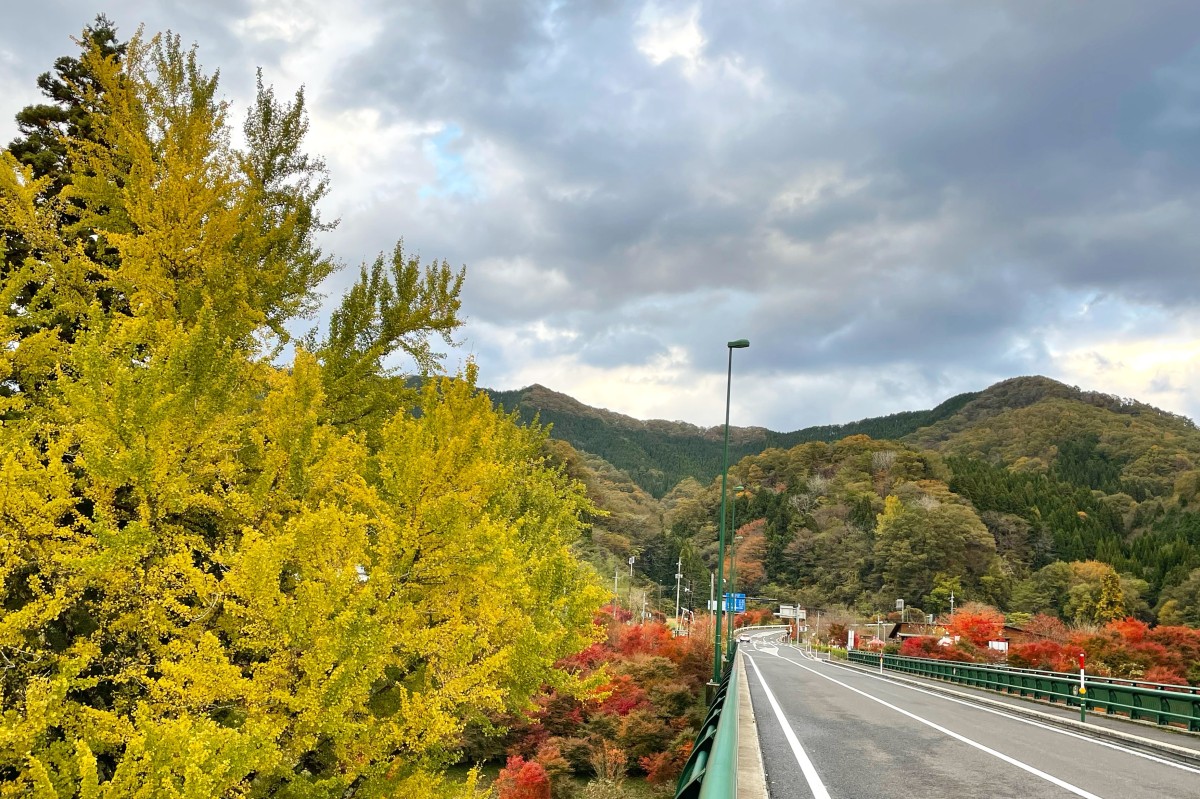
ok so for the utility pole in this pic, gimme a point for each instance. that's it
(678, 577)
(616, 574)
(711, 582)
(632, 558)
(951, 602)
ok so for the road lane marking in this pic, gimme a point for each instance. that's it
(806, 766)
(1006, 758)
(1042, 725)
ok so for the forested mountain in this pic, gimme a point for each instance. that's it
(1028, 495)
(658, 454)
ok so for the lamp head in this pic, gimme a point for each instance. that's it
(739, 344)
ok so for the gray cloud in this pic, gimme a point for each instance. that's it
(926, 189)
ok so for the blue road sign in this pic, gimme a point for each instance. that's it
(735, 603)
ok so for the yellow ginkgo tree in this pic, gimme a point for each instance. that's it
(212, 582)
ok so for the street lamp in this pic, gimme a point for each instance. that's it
(740, 343)
(733, 564)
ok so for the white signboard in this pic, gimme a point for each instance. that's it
(792, 612)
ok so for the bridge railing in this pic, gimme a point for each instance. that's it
(711, 769)
(1141, 702)
(761, 631)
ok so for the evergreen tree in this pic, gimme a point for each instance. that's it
(46, 128)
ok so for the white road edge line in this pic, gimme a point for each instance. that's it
(1050, 728)
(1011, 760)
(806, 766)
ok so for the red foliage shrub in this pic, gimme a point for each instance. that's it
(753, 618)
(623, 696)
(647, 702)
(1042, 655)
(650, 638)
(666, 767)
(921, 647)
(1185, 641)
(1129, 628)
(1167, 676)
(585, 660)
(521, 779)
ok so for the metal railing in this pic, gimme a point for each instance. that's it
(1175, 706)
(763, 631)
(711, 769)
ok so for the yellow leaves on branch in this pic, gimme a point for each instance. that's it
(209, 587)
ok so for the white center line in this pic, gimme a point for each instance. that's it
(1011, 760)
(806, 766)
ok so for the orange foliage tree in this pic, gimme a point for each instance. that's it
(977, 623)
(750, 572)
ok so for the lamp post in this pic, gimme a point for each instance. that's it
(740, 343)
(733, 539)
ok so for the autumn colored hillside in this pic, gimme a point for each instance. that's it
(1022, 496)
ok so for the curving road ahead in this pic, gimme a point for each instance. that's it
(827, 731)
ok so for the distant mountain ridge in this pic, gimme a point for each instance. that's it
(657, 454)
(1015, 419)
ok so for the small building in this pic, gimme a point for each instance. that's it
(1009, 635)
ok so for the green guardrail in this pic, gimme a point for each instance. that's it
(1157, 705)
(711, 769)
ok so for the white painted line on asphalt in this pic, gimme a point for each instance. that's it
(1033, 723)
(1010, 760)
(1025, 720)
(806, 766)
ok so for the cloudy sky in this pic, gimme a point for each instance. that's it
(894, 201)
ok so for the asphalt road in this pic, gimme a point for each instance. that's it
(832, 732)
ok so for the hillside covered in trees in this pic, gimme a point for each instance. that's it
(658, 454)
(1026, 496)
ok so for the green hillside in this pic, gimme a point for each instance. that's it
(1023, 495)
(658, 454)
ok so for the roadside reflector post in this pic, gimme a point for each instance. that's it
(1082, 691)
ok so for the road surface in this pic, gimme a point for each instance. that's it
(828, 731)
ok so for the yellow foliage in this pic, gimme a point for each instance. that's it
(208, 588)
